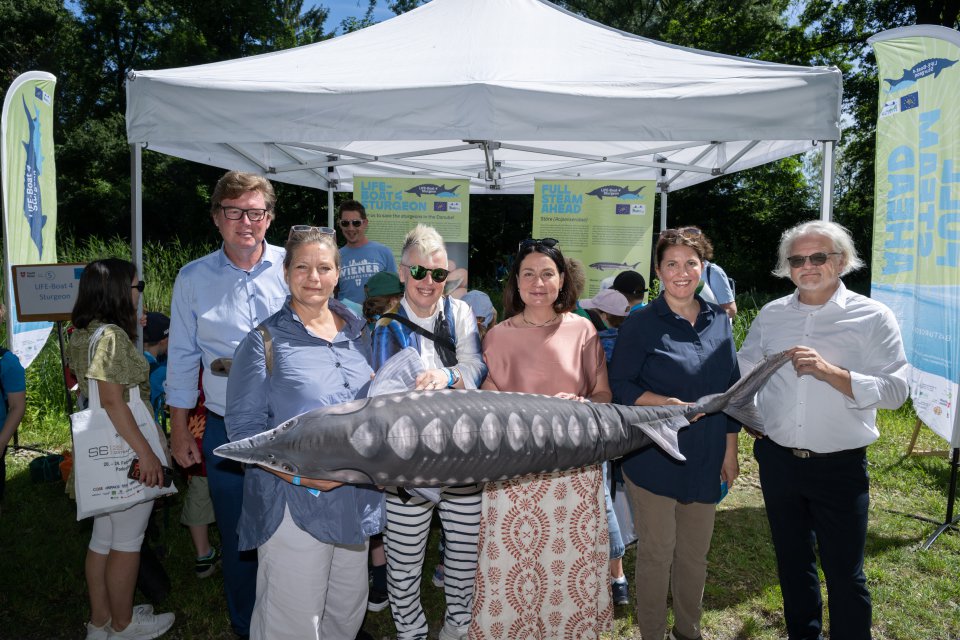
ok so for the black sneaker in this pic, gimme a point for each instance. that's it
(377, 600)
(205, 567)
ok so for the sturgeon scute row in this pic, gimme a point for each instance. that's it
(452, 437)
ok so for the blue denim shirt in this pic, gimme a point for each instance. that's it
(661, 352)
(308, 372)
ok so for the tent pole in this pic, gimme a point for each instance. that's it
(663, 199)
(826, 187)
(136, 222)
(330, 206)
(331, 185)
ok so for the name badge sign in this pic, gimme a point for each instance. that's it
(46, 291)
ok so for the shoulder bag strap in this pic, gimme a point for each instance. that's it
(267, 346)
(420, 330)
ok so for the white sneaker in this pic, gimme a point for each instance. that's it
(453, 633)
(98, 633)
(145, 626)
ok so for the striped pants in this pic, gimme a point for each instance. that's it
(405, 541)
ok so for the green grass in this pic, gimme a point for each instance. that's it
(916, 593)
(42, 592)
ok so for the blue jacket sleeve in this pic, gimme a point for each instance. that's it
(248, 408)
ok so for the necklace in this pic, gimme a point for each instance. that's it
(523, 314)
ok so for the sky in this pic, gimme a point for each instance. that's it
(340, 9)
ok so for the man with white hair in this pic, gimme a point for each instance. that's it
(444, 331)
(819, 415)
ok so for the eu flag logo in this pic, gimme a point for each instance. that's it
(910, 101)
(623, 209)
(439, 206)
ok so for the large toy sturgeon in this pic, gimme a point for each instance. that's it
(453, 437)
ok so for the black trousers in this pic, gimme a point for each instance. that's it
(818, 503)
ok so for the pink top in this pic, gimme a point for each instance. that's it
(562, 357)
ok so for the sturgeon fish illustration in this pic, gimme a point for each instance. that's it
(603, 266)
(433, 190)
(613, 191)
(920, 70)
(451, 437)
(32, 169)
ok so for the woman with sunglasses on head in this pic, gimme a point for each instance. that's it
(543, 544)
(106, 310)
(674, 350)
(310, 535)
(444, 331)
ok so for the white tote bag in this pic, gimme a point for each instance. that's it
(101, 457)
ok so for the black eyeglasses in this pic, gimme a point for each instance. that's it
(304, 228)
(346, 223)
(419, 273)
(549, 243)
(816, 259)
(235, 213)
(139, 286)
(682, 232)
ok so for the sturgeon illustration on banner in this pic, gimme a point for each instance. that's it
(916, 238)
(29, 196)
(607, 225)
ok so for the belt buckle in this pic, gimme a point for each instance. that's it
(801, 453)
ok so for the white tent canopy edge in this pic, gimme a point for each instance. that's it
(499, 92)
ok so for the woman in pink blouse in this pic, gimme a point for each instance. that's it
(543, 548)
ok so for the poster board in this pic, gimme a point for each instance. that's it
(396, 205)
(607, 226)
(46, 291)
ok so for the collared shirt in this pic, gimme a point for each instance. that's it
(850, 331)
(215, 305)
(308, 372)
(391, 336)
(661, 352)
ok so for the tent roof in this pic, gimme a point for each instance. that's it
(498, 91)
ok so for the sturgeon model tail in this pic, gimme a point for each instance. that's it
(453, 437)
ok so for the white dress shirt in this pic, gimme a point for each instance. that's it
(850, 331)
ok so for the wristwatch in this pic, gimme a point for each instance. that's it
(455, 377)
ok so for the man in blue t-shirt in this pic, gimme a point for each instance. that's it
(360, 258)
(13, 403)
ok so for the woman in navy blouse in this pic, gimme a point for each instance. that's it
(310, 535)
(673, 351)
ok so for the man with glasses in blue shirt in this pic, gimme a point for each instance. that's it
(361, 258)
(217, 300)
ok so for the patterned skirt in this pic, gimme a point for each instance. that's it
(544, 556)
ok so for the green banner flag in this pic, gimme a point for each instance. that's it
(29, 195)
(916, 241)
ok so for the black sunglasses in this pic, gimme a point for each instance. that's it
(347, 223)
(139, 286)
(418, 272)
(549, 243)
(816, 259)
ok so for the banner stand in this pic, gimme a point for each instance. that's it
(950, 522)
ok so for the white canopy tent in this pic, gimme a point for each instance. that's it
(496, 91)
